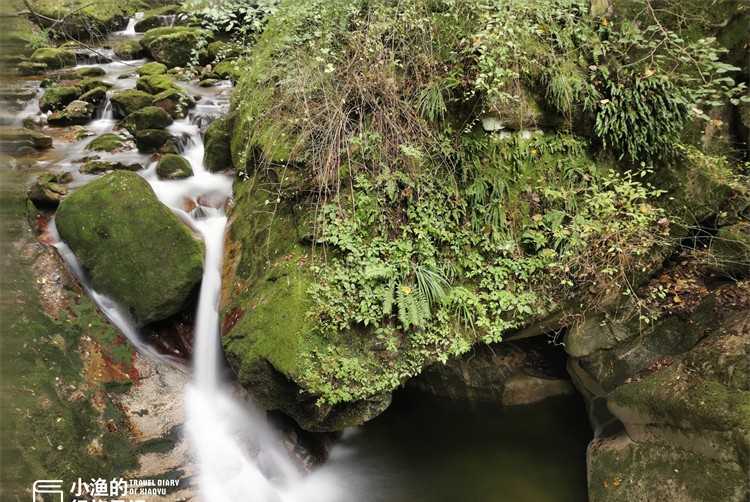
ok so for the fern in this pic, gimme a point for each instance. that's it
(413, 307)
(432, 284)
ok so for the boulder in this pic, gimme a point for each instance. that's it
(152, 68)
(133, 247)
(268, 340)
(18, 139)
(53, 57)
(153, 140)
(126, 102)
(174, 101)
(95, 96)
(58, 97)
(109, 142)
(155, 84)
(129, 50)
(173, 167)
(508, 374)
(150, 117)
(76, 113)
(174, 46)
(88, 84)
(154, 18)
(48, 190)
(101, 166)
(217, 155)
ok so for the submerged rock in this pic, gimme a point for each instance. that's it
(133, 247)
(126, 102)
(172, 167)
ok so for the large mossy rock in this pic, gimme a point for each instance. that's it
(53, 57)
(266, 333)
(129, 49)
(48, 190)
(157, 17)
(175, 102)
(152, 68)
(679, 386)
(155, 84)
(108, 142)
(58, 97)
(173, 46)
(134, 248)
(217, 155)
(126, 102)
(153, 140)
(150, 117)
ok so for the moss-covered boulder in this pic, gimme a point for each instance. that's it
(101, 166)
(152, 68)
(622, 470)
(228, 70)
(95, 96)
(154, 18)
(58, 97)
(133, 247)
(154, 140)
(174, 101)
(76, 113)
(48, 190)
(217, 155)
(109, 142)
(53, 57)
(267, 336)
(129, 49)
(173, 46)
(173, 167)
(126, 102)
(19, 139)
(79, 19)
(155, 84)
(150, 117)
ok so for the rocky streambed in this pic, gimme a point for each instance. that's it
(124, 157)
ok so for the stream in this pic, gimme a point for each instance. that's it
(422, 449)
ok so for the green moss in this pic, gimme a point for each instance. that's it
(128, 49)
(676, 398)
(152, 68)
(108, 142)
(152, 140)
(152, 18)
(217, 155)
(150, 117)
(155, 84)
(172, 167)
(126, 102)
(54, 58)
(174, 101)
(134, 248)
(58, 97)
(174, 46)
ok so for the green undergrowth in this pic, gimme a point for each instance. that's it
(431, 234)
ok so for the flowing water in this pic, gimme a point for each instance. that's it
(420, 450)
